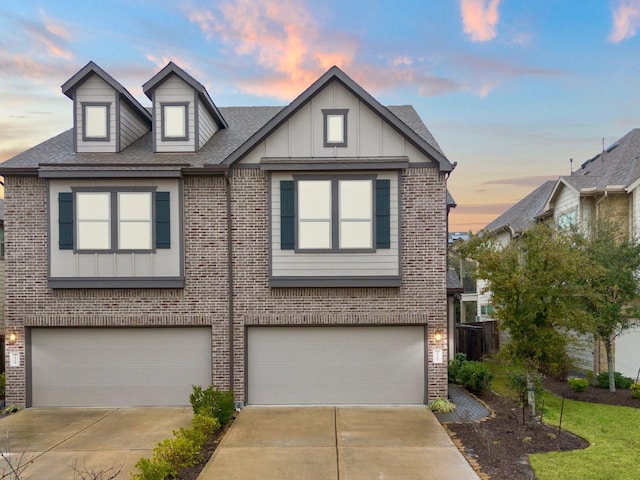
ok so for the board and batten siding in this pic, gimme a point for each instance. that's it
(174, 90)
(288, 263)
(94, 89)
(161, 263)
(206, 125)
(131, 126)
(302, 135)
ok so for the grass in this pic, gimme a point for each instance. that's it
(613, 432)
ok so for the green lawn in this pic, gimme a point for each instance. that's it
(613, 432)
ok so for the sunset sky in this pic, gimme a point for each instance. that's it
(512, 89)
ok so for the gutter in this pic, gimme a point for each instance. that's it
(230, 281)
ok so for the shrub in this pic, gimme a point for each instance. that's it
(3, 383)
(578, 384)
(517, 381)
(177, 452)
(475, 376)
(454, 366)
(442, 405)
(151, 470)
(205, 424)
(213, 403)
(635, 390)
(620, 380)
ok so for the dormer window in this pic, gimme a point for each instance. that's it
(335, 127)
(95, 122)
(174, 121)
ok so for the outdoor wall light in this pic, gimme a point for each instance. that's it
(438, 335)
(12, 338)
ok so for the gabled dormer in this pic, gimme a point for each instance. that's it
(106, 117)
(184, 116)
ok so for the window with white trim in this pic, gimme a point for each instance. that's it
(95, 121)
(174, 121)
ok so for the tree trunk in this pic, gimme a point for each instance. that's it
(610, 366)
(531, 398)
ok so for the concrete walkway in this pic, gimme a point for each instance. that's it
(52, 439)
(337, 443)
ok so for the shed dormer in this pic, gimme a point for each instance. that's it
(184, 116)
(106, 117)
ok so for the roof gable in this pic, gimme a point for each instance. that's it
(69, 87)
(335, 74)
(172, 69)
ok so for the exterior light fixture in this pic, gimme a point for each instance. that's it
(12, 338)
(438, 335)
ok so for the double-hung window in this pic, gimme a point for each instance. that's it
(114, 220)
(320, 214)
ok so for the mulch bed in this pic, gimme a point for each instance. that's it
(192, 473)
(498, 447)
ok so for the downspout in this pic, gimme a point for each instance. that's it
(605, 195)
(230, 277)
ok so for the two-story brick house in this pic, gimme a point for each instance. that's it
(296, 254)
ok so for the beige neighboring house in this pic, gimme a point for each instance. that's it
(606, 185)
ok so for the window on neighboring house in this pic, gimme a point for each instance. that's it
(567, 220)
(174, 121)
(335, 214)
(335, 127)
(114, 221)
(95, 121)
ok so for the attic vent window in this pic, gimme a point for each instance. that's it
(95, 121)
(335, 127)
(174, 121)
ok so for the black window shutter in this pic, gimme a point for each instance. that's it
(163, 220)
(65, 220)
(287, 216)
(383, 214)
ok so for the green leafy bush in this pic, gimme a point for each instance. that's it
(177, 452)
(3, 383)
(442, 405)
(476, 376)
(578, 384)
(205, 424)
(620, 380)
(213, 402)
(454, 366)
(635, 390)
(151, 470)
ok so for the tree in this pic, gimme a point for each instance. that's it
(610, 286)
(531, 281)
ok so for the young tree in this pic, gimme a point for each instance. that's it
(531, 281)
(610, 286)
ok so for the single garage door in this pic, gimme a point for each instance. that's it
(335, 365)
(118, 366)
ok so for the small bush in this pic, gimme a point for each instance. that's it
(177, 452)
(475, 376)
(578, 384)
(151, 470)
(454, 366)
(3, 383)
(517, 381)
(620, 380)
(214, 403)
(635, 390)
(205, 424)
(442, 405)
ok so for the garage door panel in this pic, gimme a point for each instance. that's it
(335, 365)
(118, 367)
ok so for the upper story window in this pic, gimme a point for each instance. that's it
(95, 121)
(567, 220)
(114, 221)
(335, 127)
(321, 214)
(174, 121)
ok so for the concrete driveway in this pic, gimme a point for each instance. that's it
(337, 443)
(99, 438)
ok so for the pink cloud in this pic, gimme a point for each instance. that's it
(480, 18)
(626, 20)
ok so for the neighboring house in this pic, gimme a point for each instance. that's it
(606, 185)
(296, 254)
(2, 282)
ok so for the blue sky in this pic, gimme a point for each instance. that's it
(512, 89)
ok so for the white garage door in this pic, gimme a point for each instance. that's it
(118, 366)
(335, 365)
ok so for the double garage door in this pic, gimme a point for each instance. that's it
(335, 365)
(118, 366)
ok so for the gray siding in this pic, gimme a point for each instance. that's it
(367, 134)
(286, 263)
(581, 350)
(94, 89)
(206, 125)
(161, 263)
(173, 89)
(131, 127)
